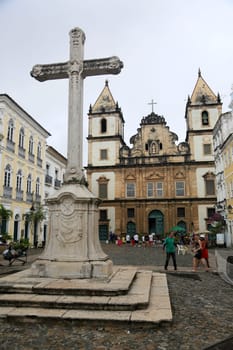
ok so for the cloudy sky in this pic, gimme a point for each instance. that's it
(162, 44)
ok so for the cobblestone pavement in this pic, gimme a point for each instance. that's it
(202, 305)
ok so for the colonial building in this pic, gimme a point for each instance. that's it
(157, 182)
(22, 166)
(55, 169)
(54, 173)
(223, 151)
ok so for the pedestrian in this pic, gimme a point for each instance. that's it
(128, 238)
(204, 249)
(196, 249)
(136, 239)
(143, 241)
(170, 248)
(198, 253)
(147, 239)
(151, 240)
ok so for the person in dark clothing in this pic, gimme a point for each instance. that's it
(170, 248)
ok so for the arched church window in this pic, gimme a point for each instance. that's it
(153, 148)
(205, 118)
(103, 125)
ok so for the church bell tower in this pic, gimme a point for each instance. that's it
(202, 112)
(105, 130)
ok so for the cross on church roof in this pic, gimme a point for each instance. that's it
(152, 103)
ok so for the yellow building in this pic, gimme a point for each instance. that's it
(22, 164)
(157, 182)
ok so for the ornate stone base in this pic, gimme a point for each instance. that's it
(72, 248)
(71, 270)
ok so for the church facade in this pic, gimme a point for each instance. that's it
(157, 182)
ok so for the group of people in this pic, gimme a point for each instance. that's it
(136, 240)
(199, 248)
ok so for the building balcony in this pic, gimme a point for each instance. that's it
(10, 145)
(7, 192)
(31, 157)
(39, 162)
(48, 180)
(19, 195)
(21, 152)
(57, 183)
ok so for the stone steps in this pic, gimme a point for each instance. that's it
(118, 284)
(145, 298)
(136, 298)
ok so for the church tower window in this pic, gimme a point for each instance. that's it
(103, 187)
(103, 154)
(103, 124)
(130, 189)
(205, 118)
(155, 189)
(209, 179)
(207, 149)
(180, 186)
(130, 212)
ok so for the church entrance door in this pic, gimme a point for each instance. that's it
(131, 228)
(156, 222)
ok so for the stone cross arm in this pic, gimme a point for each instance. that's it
(110, 65)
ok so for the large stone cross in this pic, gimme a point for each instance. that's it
(76, 69)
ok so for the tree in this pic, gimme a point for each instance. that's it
(34, 216)
(216, 223)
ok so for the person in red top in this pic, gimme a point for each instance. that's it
(204, 249)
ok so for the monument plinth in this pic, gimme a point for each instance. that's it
(73, 249)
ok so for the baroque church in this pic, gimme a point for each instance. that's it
(157, 182)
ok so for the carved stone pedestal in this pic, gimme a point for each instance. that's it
(73, 249)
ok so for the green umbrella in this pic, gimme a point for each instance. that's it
(177, 229)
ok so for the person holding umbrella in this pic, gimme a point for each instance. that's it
(170, 249)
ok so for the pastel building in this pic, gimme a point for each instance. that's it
(22, 166)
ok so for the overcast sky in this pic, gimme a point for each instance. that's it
(162, 44)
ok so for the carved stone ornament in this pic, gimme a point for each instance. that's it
(67, 206)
